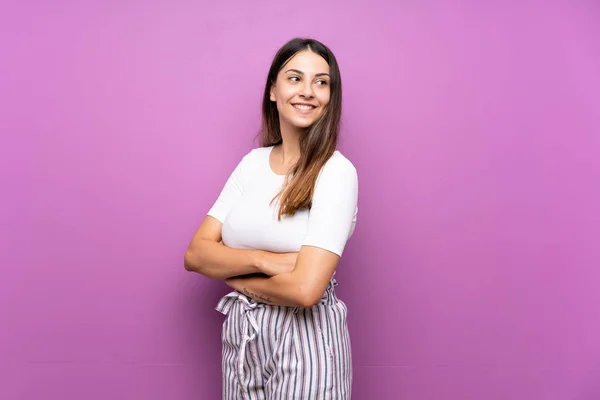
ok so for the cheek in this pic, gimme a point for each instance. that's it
(281, 106)
(282, 95)
(325, 100)
(325, 96)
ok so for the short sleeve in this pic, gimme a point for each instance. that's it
(232, 191)
(332, 217)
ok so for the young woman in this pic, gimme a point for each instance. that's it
(275, 235)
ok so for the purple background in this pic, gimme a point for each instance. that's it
(475, 127)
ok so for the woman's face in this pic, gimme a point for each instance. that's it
(301, 90)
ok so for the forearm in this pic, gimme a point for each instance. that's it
(217, 261)
(281, 290)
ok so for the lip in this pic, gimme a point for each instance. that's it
(304, 104)
(304, 112)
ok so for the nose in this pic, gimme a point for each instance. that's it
(307, 89)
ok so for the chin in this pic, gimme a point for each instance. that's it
(299, 123)
(303, 125)
(303, 122)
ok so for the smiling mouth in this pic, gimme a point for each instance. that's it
(304, 107)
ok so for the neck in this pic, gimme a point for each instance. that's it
(290, 146)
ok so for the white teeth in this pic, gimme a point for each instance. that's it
(303, 107)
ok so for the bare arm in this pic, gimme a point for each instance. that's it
(303, 287)
(261, 288)
(207, 255)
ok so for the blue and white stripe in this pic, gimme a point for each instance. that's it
(282, 353)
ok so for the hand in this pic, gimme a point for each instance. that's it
(278, 263)
(232, 282)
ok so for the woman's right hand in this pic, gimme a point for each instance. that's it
(277, 263)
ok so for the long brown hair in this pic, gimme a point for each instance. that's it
(319, 141)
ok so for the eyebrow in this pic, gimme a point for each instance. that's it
(302, 73)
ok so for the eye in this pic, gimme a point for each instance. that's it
(322, 82)
(294, 78)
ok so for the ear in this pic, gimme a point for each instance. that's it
(272, 94)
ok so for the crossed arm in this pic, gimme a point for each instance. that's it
(261, 275)
(304, 286)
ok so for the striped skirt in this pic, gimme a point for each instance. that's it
(274, 352)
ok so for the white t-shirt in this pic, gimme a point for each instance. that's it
(250, 220)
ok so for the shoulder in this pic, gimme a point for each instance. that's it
(261, 151)
(339, 166)
(255, 157)
(337, 177)
(257, 152)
